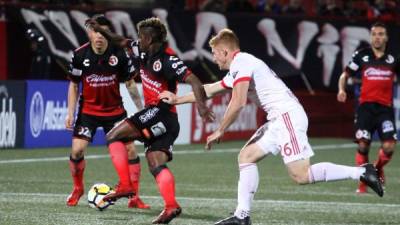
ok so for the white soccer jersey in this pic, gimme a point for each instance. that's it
(266, 89)
(285, 132)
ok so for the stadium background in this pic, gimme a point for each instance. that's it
(313, 48)
(308, 51)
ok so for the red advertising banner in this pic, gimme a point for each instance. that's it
(244, 126)
(3, 49)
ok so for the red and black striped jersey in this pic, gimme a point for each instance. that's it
(377, 75)
(100, 76)
(159, 72)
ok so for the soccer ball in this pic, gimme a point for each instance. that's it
(96, 195)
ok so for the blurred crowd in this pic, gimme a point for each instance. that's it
(372, 9)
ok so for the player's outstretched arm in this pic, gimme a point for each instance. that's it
(115, 39)
(201, 97)
(210, 89)
(134, 93)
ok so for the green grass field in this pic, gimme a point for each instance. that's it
(35, 183)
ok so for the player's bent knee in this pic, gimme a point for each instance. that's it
(300, 178)
(77, 153)
(250, 154)
(76, 156)
(388, 146)
(363, 147)
(112, 137)
(156, 170)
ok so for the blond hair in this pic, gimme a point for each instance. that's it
(226, 37)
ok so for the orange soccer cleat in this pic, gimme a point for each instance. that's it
(136, 202)
(167, 215)
(120, 191)
(74, 197)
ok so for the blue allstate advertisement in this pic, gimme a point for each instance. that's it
(46, 109)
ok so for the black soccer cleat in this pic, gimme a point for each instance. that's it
(233, 220)
(370, 178)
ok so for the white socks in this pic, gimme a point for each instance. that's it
(330, 172)
(247, 187)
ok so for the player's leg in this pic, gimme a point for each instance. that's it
(253, 151)
(361, 158)
(302, 173)
(135, 171)
(133, 159)
(384, 156)
(84, 130)
(116, 139)
(364, 126)
(387, 133)
(77, 166)
(296, 153)
(165, 180)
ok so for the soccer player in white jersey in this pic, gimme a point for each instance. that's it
(284, 133)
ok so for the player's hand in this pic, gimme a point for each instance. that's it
(205, 113)
(92, 24)
(69, 122)
(168, 97)
(214, 137)
(341, 96)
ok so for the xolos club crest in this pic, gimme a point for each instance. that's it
(157, 65)
(113, 60)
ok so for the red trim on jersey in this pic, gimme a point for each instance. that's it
(188, 73)
(235, 53)
(170, 51)
(241, 79)
(83, 46)
(224, 85)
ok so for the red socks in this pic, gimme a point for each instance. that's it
(119, 157)
(134, 172)
(383, 159)
(361, 159)
(77, 167)
(166, 185)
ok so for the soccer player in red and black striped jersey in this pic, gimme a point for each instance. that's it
(379, 69)
(157, 125)
(99, 67)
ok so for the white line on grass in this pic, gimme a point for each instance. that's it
(287, 202)
(183, 152)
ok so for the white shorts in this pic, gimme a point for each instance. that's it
(285, 134)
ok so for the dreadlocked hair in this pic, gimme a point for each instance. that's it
(155, 27)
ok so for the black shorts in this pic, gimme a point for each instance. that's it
(86, 125)
(159, 128)
(373, 117)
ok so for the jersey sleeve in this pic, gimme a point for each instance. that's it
(75, 69)
(355, 64)
(127, 67)
(241, 69)
(175, 68)
(227, 81)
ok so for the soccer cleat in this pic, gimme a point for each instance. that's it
(233, 220)
(119, 192)
(370, 178)
(74, 197)
(167, 215)
(136, 202)
(362, 188)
